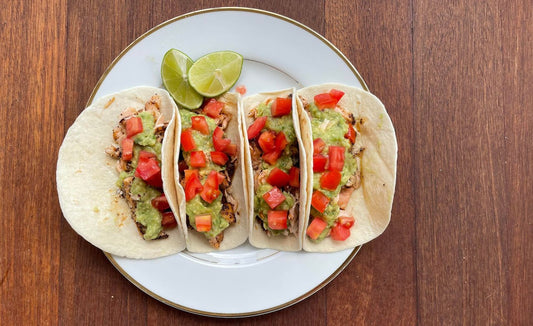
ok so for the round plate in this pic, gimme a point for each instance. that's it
(279, 53)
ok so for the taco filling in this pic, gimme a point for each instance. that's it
(276, 166)
(138, 140)
(207, 164)
(336, 166)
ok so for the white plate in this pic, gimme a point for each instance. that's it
(279, 53)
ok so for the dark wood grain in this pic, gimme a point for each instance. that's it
(457, 81)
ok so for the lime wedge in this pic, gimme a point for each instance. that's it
(215, 73)
(174, 70)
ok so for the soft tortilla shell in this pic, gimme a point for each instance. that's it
(86, 178)
(236, 233)
(371, 204)
(258, 237)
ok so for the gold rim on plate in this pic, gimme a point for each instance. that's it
(256, 11)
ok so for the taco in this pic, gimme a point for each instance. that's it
(210, 175)
(115, 178)
(352, 154)
(276, 171)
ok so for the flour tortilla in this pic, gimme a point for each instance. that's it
(86, 178)
(258, 237)
(371, 204)
(236, 233)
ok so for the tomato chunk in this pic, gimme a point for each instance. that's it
(319, 163)
(148, 169)
(294, 177)
(315, 228)
(199, 123)
(336, 94)
(281, 141)
(219, 158)
(325, 100)
(256, 127)
(281, 106)
(168, 220)
(350, 134)
(346, 221)
(339, 232)
(272, 157)
(278, 178)
(219, 143)
(231, 149)
(318, 145)
(187, 141)
(336, 158)
(277, 220)
(193, 186)
(160, 203)
(241, 89)
(198, 159)
(127, 149)
(210, 191)
(203, 222)
(134, 126)
(319, 201)
(267, 141)
(274, 197)
(330, 180)
(189, 173)
(213, 108)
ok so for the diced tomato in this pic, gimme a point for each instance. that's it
(318, 145)
(339, 232)
(346, 221)
(231, 149)
(210, 191)
(148, 169)
(319, 201)
(336, 94)
(189, 173)
(213, 108)
(168, 220)
(256, 127)
(281, 141)
(267, 141)
(274, 197)
(272, 157)
(219, 143)
(336, 158)
(350, 134)
(325, 100)
(134, 126)
(220, 177)
(330, 180)
(319, 163)
(281, 106)
(198, 159)
(187, 141)
(203, 222)
(278, 178)
(160, 203)
(199, 123)
(127, 149)
(294, 177)
(193, 186)
(315, 228)
(241, 89)
(277, 220)
(219, 158)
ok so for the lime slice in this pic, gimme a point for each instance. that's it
(215, 73)
(174, 70)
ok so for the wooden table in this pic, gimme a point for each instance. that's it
(457, 80)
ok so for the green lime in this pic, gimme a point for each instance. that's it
(174, 70)
(215, 73)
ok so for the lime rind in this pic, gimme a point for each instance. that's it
(215, 73)
(174, 69)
